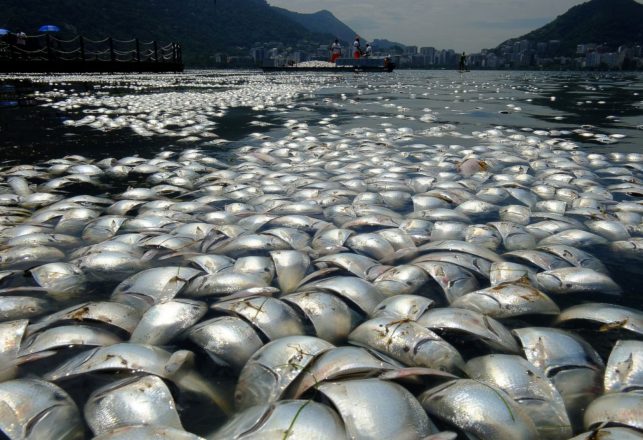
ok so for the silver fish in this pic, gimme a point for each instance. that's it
(161, 323)
(291, 268)
(508, 300)
(622, 409)
(401, 280)
(624, 371)
(340, 363)
(359, 265)
(222, 283)
(528, 387)
(60, 278)
(262, 267)
(66, 336)
(454, 281)
(272, 317)
(145, 432)
(286, 418)
(22, 307)
(355, 291)
(26, 257)
(133, 401)
(36, 409)
(407, 342)
(228, 340)
(572, 364)
(607, 316)
(473, 324)
(478, 409)
(572, 280)
(270, 371)
(11, 334)
(402, 306)
(330, 316)
(128, 357)
(398, 414)
(614, 433)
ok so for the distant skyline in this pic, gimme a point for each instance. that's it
(469, 25)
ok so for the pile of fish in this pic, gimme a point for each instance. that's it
(184, 108)
(315, 63)
(358, 284)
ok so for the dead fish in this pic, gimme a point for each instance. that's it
(473, 324)
(289, 418)
(478, 409)
(269, 372)
(22, 307)
(147, 359)
(34, 408)
(50, 340)
(133, 401)
(407, 342)
(508, 300)
(572, 280)
(528, 387)
(162, 322)
(228, 340)
(341, 363)
(141, 432)
(26, 257)
(120, 316)
(398, 415)
(624, 371)
(622, 409)
(272, 317)
(331, 318)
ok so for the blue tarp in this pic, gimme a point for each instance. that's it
(49, 28)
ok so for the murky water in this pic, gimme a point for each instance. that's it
(271, 156)
(584, 107)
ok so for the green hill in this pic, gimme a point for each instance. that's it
(321, 22)
(205, 27)
(614, 22)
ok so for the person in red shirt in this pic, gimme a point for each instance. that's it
(357, 48)
(335, 51)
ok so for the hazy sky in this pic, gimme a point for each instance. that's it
(468, 25)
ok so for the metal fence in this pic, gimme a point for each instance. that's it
(47, 47)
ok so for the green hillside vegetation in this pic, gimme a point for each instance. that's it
(204, 27)
(614, 22)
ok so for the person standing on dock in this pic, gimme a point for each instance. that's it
(357, 48)
(335, 51)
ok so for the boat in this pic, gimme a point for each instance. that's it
(341, 65)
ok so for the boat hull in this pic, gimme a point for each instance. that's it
(338, 69)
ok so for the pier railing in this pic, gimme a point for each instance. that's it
(108, 54)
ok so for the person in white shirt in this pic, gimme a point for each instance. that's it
(357, 48)
(335, 51)
(368, 51)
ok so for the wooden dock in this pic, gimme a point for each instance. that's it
(48, 54)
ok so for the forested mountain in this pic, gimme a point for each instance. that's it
(205, 27)
(321, 22)
(614, 22)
